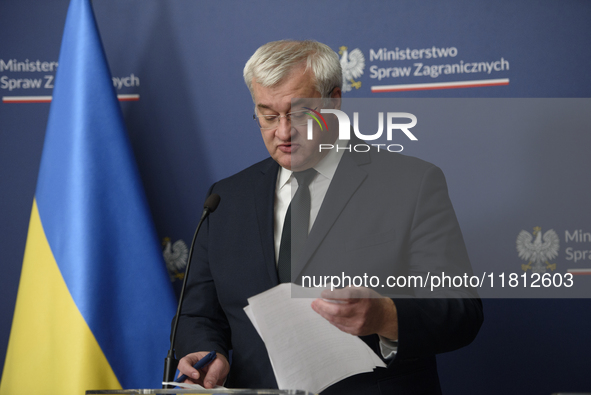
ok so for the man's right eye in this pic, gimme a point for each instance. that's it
(268, 119)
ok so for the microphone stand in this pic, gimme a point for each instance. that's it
(170, 362)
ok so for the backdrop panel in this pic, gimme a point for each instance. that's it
(191, 125)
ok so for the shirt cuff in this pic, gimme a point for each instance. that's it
(388, 347)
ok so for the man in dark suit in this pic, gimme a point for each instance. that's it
(369, 212)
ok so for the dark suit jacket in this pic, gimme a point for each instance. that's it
(384, 213)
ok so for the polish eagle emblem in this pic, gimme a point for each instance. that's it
(538, 252)
(175, 255)
(352, 64)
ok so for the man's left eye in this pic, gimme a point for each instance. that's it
(298, 115)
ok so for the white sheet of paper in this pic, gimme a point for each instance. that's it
(306, 351)
(191, 386)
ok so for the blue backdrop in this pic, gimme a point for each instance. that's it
(192, 126)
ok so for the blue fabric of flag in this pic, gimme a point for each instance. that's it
(95, 215)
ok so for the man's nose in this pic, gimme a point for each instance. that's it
(284, 130)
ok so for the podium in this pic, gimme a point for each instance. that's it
(188, 391)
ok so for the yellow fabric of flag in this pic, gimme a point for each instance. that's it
(47, 326)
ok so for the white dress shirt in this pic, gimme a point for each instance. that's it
(287, 186)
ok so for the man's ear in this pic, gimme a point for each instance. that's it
(336, 96)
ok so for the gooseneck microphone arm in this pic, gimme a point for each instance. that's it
(170, 362)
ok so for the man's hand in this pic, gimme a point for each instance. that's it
(359, 311)
(213, 374)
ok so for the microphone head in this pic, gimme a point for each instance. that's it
(211, 203)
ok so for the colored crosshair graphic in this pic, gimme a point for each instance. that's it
(315, 114)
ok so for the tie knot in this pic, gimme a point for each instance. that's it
(304, 177)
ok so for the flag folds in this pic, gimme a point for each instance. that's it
(94, 300)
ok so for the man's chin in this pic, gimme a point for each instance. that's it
(295, 161)
(284, 160)
(300, 166)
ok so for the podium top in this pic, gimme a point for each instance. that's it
(189, 391)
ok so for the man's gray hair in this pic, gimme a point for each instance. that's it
(273, 62)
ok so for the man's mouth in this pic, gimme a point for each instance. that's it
(287, 148)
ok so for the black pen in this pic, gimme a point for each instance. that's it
(203, 362)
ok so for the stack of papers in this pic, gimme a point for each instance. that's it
(306, 351)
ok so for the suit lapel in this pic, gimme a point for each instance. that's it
(347, 179)
(264, 197)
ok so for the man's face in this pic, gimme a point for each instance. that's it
(286, 144)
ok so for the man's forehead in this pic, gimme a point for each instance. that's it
(295, 102)
(272, 98)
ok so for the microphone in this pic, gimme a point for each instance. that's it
(211, 203)
(170, 362)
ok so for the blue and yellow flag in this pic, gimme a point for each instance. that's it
(94, 303)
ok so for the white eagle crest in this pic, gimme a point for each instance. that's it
(352, 64)
(175, 256)
(538, 252)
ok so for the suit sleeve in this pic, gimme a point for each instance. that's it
(452, 318)
(203, 325)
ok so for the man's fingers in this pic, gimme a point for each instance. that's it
(210, 380)
(342, 293)
(358, 318)
(214, 372)
(193, 375)
(340, 317)
(350, 294)
(326, 309)
(186, 365)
